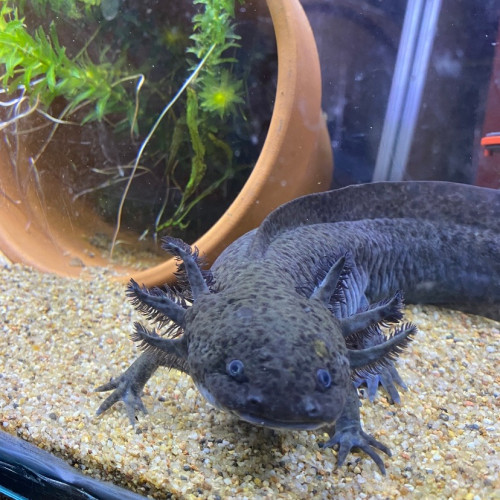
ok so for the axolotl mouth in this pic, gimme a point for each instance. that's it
(280, 424)
(264, 421)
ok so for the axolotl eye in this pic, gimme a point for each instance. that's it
(236, 369)
(323, 378)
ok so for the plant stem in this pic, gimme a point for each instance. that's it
(140, 81)
(145, 143)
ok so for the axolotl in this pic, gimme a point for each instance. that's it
(293, 315)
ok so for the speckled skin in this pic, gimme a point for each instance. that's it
(288, 336)
(437, 242)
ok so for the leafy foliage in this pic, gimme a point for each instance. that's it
(98, 85)
(220, 94)
(219, 91)
(74, 9)
(40, 64)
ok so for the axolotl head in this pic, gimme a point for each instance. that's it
(280, 364)
(279, 361)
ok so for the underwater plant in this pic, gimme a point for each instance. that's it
(220, 94)
(39, 67)
(101, 82)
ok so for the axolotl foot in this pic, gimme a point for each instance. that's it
(348, 434)
(387, 377)
(351, 437)
(123, 391)
(128, 386)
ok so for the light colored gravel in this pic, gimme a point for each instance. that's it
(61, 338)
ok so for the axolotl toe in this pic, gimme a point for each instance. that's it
(293, 314)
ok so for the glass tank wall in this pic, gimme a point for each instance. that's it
(405, 88)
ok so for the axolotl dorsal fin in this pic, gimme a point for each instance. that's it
(423, 200)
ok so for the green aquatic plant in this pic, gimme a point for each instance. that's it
(98, 85)
(214, 25)
(39, 66)
(214, 92)
(213, 36)
(221, 94)
(73, 9)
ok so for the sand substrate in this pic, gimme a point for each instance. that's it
(60, 338)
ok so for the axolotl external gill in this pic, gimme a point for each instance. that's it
(295, 314)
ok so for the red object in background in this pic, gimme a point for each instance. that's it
(491, 143)
(488, 170)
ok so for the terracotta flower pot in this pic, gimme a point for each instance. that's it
(296, 159)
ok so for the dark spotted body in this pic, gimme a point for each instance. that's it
(294, 312)
(436, 241)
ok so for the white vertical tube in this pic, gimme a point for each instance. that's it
(417, 37)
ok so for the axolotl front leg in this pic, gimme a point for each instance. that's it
(161, 307)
